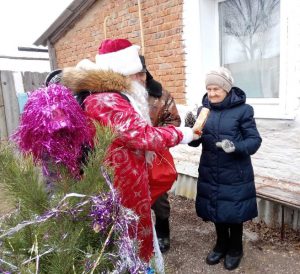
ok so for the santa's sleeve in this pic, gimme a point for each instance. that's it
(132, 130)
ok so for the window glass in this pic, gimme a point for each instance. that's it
(250, 44)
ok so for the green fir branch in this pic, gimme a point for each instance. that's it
(67, 243)
(21, 181)
(92, 181)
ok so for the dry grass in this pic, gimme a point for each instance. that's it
(5, 206)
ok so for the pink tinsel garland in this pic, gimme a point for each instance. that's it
(54, 127)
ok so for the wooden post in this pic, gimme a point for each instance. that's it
(10, 101)
(3, 128)
(52, 56)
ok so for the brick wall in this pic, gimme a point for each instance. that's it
(162, 24)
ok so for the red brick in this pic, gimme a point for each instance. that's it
(162, 22)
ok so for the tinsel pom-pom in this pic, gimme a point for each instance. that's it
(53, 127)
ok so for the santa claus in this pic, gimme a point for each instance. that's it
(111, 93)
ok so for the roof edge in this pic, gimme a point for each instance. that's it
(61, 24)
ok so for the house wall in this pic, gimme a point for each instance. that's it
(277, 158)
(162, 26)
(168, 44)
(175, 51)
(279, 155)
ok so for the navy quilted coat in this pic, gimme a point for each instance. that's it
(225, 188)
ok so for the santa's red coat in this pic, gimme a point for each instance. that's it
(127, 155)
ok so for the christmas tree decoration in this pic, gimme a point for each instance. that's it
(53, 126)
(72, 232)
(78, 225)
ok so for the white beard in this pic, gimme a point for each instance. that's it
(139, 100)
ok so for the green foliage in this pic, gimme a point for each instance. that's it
(20, 180)
(92, 179)
(66, 242)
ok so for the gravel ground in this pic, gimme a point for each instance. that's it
(192, 239)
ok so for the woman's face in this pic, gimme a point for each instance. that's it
(215, 94)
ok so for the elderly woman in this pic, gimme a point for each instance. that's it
(225, 191)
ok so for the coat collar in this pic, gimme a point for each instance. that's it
(94, 81)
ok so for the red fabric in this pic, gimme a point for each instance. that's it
(127, 155)
(162, 174)
(109, 45)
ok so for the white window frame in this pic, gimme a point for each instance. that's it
(201, 39)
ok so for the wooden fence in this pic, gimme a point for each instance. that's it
(12, 83)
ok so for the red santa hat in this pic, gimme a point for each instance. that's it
(119, 55)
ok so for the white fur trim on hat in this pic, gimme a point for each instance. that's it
(125, 61)
(86, 64)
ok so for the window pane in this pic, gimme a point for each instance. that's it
(250, 44)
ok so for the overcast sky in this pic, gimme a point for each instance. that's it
(23, 21)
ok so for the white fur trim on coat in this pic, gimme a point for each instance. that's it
(187, 134)
(125, 61)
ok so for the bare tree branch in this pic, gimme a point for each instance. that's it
(244, 19)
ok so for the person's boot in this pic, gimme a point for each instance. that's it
(164, 244)
(215, 256)
(235, 252)
(221, 247)
(162, 228)
(233, 259)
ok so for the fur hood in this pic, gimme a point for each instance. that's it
(94, 81)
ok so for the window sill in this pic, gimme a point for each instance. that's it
(272, 112)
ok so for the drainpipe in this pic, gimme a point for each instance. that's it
(52, 55)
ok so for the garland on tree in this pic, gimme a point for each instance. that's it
(54, 127)
(79, 226)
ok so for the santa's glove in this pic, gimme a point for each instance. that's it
(226, 145)
(196, 136)
(190, 119)
(188, 135)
